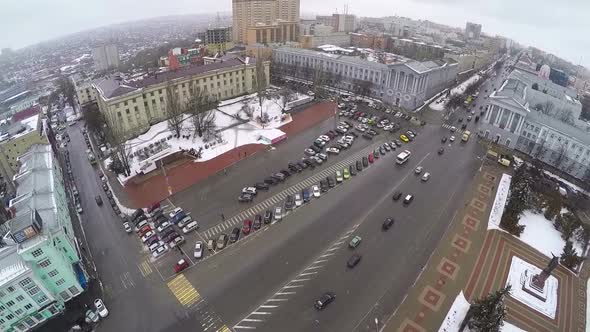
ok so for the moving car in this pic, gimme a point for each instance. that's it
(387, 223)
(452, 138)
(353, 261)
(441, 150)
(418, 169)
(397, 195)
(426, 176)
(101, 308)
(408, 199)
(355, 242)
(98, 200)
(180, 266)
(324, 300)
(198, 250)
(443, 140)
(245, 197)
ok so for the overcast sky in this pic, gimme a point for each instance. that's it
(559, 27)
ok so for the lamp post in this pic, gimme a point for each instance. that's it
(376, 324)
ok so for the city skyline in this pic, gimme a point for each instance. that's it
(563, 37)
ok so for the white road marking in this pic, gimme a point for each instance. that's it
(332, 249)
(313, 267)
(292, 286)
(320, 261)
(267, 306)
(301, 280)
(327, 255)
(260, 313)
(285, 293)
(244, 327)
(276, 300)
(307, 273)
(251, 320)
(338, 243)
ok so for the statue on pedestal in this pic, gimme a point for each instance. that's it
(538, 281)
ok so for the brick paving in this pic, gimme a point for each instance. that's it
(182, 175)
(476, 261)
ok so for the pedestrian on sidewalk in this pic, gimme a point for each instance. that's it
(225, 171)
(222, 217)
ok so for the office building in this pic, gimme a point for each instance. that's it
(339, 22)
(106, 57)
(542, 122)
(472, 30)
(249, 13)
(40, 268)
(393, 79)
(217, 40)
(277, 32)
(135, 105)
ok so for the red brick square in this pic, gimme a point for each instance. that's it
(461, 243)
(410, 326)
(448, 268)
(431, 298)
(476, 203)
(471, 222)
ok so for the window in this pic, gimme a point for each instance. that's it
(10, 289)
(25, 282)
(10, 303)
(28, 306)
(127, 111)
(60, 282)
(134, 100)
(20, 298)
(36, 253)
(53, 273)
(42, 299)
(125, 103)
(74, 290)
(136, 109)
(64, 295)
(10, 316)
(18, 312)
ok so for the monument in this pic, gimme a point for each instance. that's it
(535, 285)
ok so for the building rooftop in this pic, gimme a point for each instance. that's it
(11, 265)
(113, 86)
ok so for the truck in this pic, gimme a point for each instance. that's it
(466, 135)
(403, 157)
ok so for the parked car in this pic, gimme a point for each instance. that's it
(210, 244)
(261, 186)
(331, 181)
(245, 198)
(324, 300)
(221, 241)
(175, 212)
(101, 308)
(180, 266)
(249, 190)
(267, 216)
(185, 221)
(159, 251)
(247, 226)
(257, 222)
(426, 177)
(306, 195)
(198, 249)
(408, 199)
(365, 162)
(316, 191)
(352, 170)
(190, 227)
(147, 235)
(289, 202)
(324, 185)
(278, 213)
(234, 235)
(387, 223)
(127, 227)
(298, 200)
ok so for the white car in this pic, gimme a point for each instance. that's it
(426, 176)
(453, 129)
(140, 225)
(360, 128)
(175, 212)
(163, 226)
(155, 246)
(249, 190)
(278, 213)
(452, 138)
(309, 152)
(147, 235)
(159, 251)
(101, 308)
(298, 200)
(185, 221)
(127, 227)
(344, 129)
(332, 150)
(339, 177)
(190, 227)
(198, 250)
(324, 138)
(316, 191)
(418, 169)
(322, 156)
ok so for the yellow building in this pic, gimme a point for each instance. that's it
(249, 13)
(137, 105)
(18, 140)
(277, 32)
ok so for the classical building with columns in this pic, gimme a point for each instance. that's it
(543, 123)
(394, 79)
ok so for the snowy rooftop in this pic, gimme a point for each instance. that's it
(11, 265)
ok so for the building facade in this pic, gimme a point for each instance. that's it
(518, 118)
(472, 30)
(334, 38)
(401, 82)
(135, 106)
(217, 40)
(249, 13)
(277, 32)
(40, 268)
(106, 57)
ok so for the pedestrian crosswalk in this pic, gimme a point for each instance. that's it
(184, 291)
(278, 199)
(459, 131)
(145, 268)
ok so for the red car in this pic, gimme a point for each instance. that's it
(247, 226)
(144, 230)
(153, 206)
(180, 266)
(371, 158)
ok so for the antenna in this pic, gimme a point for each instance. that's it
(218, 21)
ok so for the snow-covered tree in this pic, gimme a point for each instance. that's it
(488, 313)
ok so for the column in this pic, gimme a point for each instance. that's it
(510, 119)
(498, 117)
(406, 80)
(520, 124)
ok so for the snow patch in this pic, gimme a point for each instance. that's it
(499, 202)
(461, 87)
(520, 272)
(455, 315)
(567, 183)
(540, 234)
(507, 327)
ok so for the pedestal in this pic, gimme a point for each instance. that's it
(532, 287)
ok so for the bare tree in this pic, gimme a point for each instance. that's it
(540, 151)
(66, 88)
(248, 110)
(565, 116)
(260, 82)
(116, 136)
(362, 87)
(202, 108)
(561, 156)
(174, 109)
(285, 96)
(545, 108)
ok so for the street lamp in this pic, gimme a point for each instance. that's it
(376, 324)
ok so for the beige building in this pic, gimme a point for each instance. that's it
(138, 104)
(278, 32)
(249, 13)
(85, 93)
(17, 141)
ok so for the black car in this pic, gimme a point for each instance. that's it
(353, 261)
(397, 195)
(365, 162)
(331, 181)
(315, 149)
(352, 170)
(352, 133)
(302, 165)
(261, 186)
(463, 126)
(168, 234)
(324, 185)
(293, 167)
(267, 216)
(279, 176)
(398, 143)
(244, 197)
(443, 140)
(285, 172)
(289, 202)
(98, 200)
(359, 165)
(138, 213)
(387, 224)
(271, 180)
(306, 195)
(367, 136)
(324, 300)
(441, 150)
(476, 118)
(460, 120)
(257, 222)
(235, 235)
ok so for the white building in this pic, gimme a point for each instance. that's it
(106, 57)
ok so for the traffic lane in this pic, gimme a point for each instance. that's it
(218, 194)
(278, 251)
(396, 255)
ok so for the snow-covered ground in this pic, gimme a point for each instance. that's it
(439, 103)
(159, 140)
(569, 184)
(520, 273)
(457, 313)
(499, 202)
(540, 234)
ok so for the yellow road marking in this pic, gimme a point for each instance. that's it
(145, 268)
(224, 329)
(184, 292)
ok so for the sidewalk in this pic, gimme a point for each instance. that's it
(185, 174)
(449, 267)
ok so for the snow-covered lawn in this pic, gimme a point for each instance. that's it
(439, 103)
(569, 184)
(540, 234)
(499, 202)
(520, 273)
(159, 140)
(455, 315)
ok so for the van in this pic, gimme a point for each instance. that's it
(190, 227)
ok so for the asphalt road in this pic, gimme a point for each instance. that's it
(251, 274)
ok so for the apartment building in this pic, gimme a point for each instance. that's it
(40, 268)
(249, 13)
(105, 57)
(393, 79)
(136, 105)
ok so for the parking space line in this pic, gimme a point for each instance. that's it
(307, 273)
(252, 320)
(275, 300)
(285, 293)
(301, 280)
(260, 313)
(267, 306)
(244, 327)
(320, 261)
